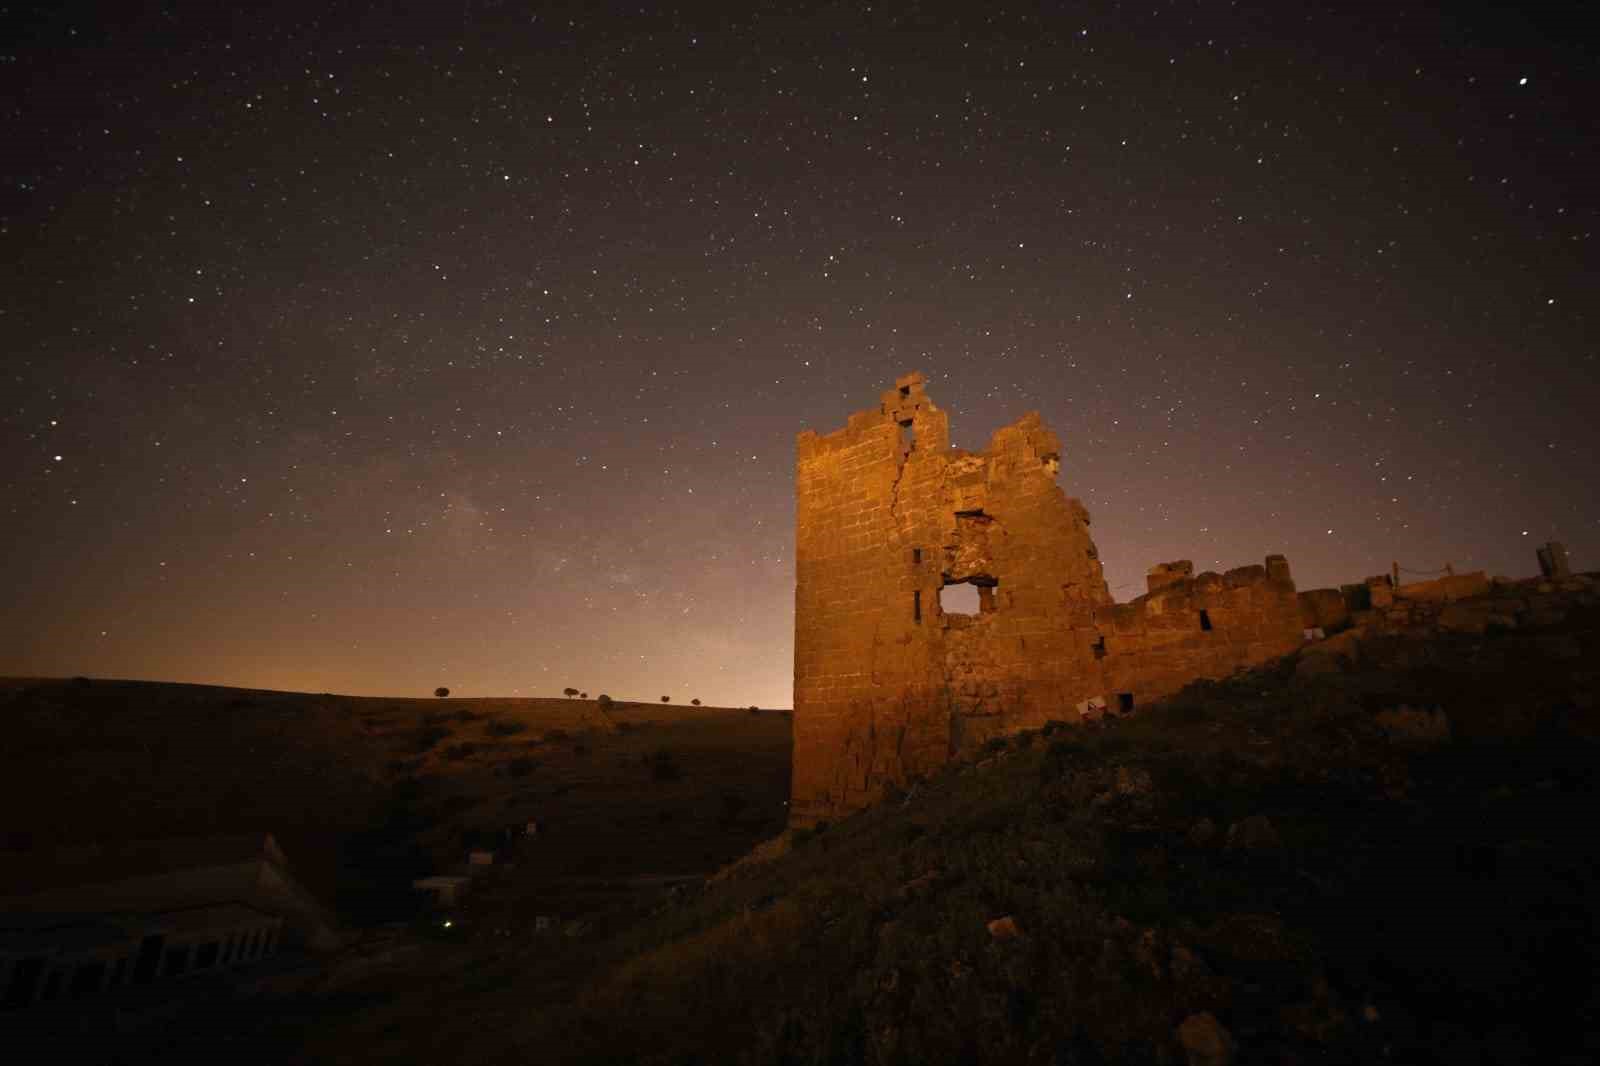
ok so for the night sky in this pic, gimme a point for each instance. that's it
(369, 349)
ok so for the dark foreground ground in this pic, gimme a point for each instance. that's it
(1391, 860)
(1385, 856)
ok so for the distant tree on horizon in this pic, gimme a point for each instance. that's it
(583, 695)
(696, 702)
(666, 699)
(604, 701)
(569, 692)
(441, 692)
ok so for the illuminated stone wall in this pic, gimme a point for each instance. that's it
(888, 685)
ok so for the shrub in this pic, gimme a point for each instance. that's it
(663, 767)
(441, 692)
(806, 835)
(554, 736)
(506, 729)
(1058, 758)
(580, 749)
(583, 695)
(666, 699)
(604, 701)
(428, 736)
(406, 790)
(569, 692)
(754, 709)
(521, 766)
(457, 752)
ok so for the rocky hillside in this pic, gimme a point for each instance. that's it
(1377, 851)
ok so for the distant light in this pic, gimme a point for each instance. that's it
(1522, 81)
(448, 923)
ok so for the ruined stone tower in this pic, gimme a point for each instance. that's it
(888, 685)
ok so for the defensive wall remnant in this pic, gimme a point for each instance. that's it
(889, 684)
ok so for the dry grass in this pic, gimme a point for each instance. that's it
(365, 793)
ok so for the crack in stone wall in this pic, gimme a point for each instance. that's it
(882, 527)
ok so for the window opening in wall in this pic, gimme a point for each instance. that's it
(916, 606)
(24, 979)
(1124, 702)
(86, 979)
(916, 555)
(959, 599)
(1099, 647)
(1205, 621)
(144, 968)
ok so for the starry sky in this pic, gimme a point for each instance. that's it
(373, 347)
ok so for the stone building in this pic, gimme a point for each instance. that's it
(891, 682)
(84, 921)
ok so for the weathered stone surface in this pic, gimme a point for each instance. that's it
(1408, 725)
(1323, 609)
(1329, 656)
(889, 686)
(1553, 561)
(1005, 928)
(1253, 833)
(1445, 589)
(1205, 1041)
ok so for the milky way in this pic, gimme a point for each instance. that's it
(364, 352)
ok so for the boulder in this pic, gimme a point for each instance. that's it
(1252, 938)
(1205, 1041)
(1187, 967)
(1253, 833)
(1407, 725)
(1329, 656)
(1004, 928)
(1459, 618)
(1149, 954)
(1132, 781)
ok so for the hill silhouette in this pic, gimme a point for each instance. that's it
(1385, 860)
(365, 793)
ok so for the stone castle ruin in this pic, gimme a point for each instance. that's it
(890, 683)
